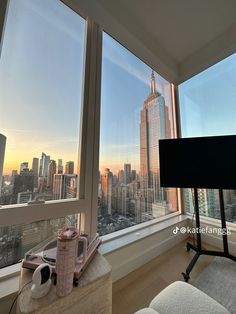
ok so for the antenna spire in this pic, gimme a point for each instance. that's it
(153, 83)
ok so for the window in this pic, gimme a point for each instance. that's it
(40, 101)
(136, 111)
(41, 79)
(207, 108)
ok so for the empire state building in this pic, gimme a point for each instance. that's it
(154, 125)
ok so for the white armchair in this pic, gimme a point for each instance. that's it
(183, 298)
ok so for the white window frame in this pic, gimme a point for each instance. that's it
(86, 200)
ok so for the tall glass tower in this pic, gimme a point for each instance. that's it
(154, 125)
(2, 154)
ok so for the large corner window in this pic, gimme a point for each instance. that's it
(136, 111)
(207, 108)
(41, 79)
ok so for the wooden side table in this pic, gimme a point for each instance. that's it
(92, 296)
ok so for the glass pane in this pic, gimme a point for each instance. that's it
(136, 111)
(41, 73)
(16, 240)
(207, 108)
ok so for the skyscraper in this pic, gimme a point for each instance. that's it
(2, 154)
(127, 172)
(35, 166)
(154, 125)
(133, 175)
(44, 162)
(121, 176)
(35, 169)
(69, 167)
(51, 171)
(106, 182)
(64, 186)
(59, 167)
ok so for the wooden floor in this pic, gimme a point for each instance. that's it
(136, 290)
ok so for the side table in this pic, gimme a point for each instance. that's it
(92, 296)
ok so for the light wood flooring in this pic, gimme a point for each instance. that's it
(137, 289)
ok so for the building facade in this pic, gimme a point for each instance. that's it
(106, 184)
(44, 162)
(154, 125)
(2, 154)
(69, 169)
(52, 167)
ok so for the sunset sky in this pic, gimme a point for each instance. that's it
(41, 70)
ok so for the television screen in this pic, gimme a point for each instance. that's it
(200, 162)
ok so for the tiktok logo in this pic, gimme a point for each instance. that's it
(176, 230)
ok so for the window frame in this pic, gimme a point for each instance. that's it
(88, 154)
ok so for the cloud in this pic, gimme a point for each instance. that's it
(57, 14)
(122, 58)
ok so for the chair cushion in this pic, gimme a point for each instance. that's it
(182, 298)
(146, 310)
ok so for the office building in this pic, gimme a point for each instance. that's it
(44, 162)
(35, 169)
(106, 182)
(35, 166)
(2, 154)
(121, 176)
(127, 173)
(52, 167)
(59, 167)
(64, 186)
(69, 169)
(13, 174)
(133, 175)
(154, 125)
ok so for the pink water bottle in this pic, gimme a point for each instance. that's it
(67, 246)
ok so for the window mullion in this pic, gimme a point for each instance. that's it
(91, 116)
(18, 214)
(177, 130)
(3, 15)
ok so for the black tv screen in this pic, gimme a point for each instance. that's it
(200, 162)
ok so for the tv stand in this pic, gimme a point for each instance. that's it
(198, 248)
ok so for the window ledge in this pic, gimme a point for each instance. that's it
(212, 221)
(122, 238)
(9, 283)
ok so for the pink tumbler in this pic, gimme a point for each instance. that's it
(67, 246)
